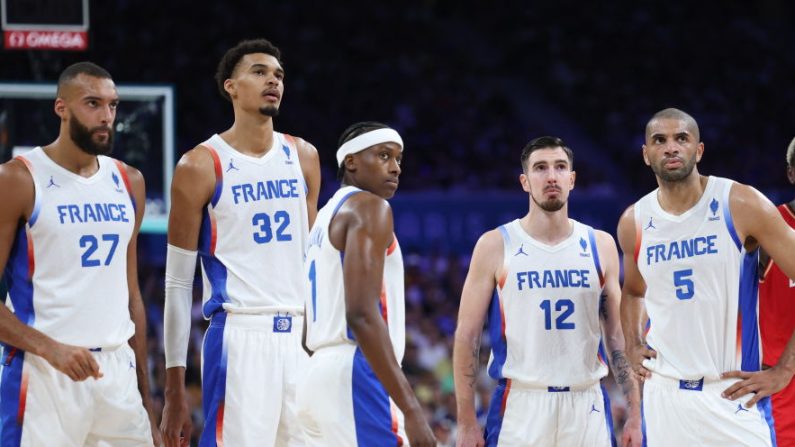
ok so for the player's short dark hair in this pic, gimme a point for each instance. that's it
(232, 57)
(353, 131)
(76, 69)
(545, 143)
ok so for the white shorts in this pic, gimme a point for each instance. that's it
(341, 403)
(250, 367)
(41, 406)
(553, 416)
(677, 413)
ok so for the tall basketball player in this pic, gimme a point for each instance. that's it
(557, 293)
(354, 392)
(777, 319)
(74, 354)
(691, 255)
(243, 200)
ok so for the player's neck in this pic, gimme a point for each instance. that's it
(678, 197)
(250, 135)
(65, 153)
(547, 227)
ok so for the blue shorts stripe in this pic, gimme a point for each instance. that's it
(495, 415)
(608, 415)
(371, 410)
(766, 408)
(10, 393)
(643, 423)
(213, 380)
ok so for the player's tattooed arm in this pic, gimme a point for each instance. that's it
(471, 373)
(622, 373)
(475, 299)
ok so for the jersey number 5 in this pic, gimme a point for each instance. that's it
(684, 284)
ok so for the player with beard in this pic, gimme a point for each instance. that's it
(691, 253)
(242, 201)
(557, 294)
(74, 354)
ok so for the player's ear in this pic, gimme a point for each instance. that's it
(645, 156)
(699, 152)
(231, 88)
(573, 178)
(525, 182)
(60, 108)
(350, 163)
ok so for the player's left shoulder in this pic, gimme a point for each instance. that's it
(605, 244)
(134, 176)
(303, 147)
(745, 200)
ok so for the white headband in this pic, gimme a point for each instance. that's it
(366, 140)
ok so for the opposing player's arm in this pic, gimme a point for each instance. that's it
(310, 166)
(632, 294)
(481, 280)
(17, 195)
(759, 224)
(614, 338)
(136, 304)
(191, 190)
(366, 221)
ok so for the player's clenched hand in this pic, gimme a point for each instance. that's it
(470, 435)
(76, 362)
(637, 353)
(418, 431)
(763, 383)
(176, 425)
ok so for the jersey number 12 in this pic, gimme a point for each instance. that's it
(565, 307)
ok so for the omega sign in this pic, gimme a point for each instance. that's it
(46, 40)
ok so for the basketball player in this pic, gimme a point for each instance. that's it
(74, 357)
(691, 255)
(557, 292)
(243, 199)
(354, 392)
(777, 319)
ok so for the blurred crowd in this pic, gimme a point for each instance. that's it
(469, 85)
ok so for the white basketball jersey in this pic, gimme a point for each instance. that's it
(254, 230)
(325, 305)
(544, 322)
(700, 283)
(67, 270)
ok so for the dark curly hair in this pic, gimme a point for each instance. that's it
(232, 57)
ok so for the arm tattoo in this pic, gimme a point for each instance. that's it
(603, 306)
(472, 371)
(622, 375)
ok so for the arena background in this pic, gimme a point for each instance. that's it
(467, 84)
